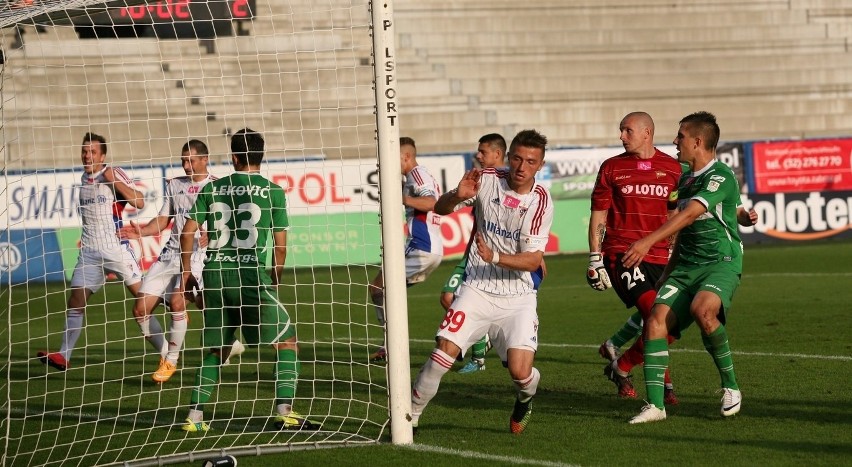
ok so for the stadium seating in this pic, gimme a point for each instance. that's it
(767, 68)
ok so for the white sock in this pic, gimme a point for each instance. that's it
(283, 409)
(527, 387)
(428, 380)
(73, 329)
(177, 334)
(195, 415)
(152, 331)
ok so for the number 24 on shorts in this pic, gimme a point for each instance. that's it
(453, 320)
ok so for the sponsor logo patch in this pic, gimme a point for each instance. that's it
(511, 202)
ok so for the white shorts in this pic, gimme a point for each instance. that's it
(419, 264)
(163, 277)
(93, 266)
(510, 322)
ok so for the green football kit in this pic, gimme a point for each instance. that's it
(709, 251)
(709, 258)
(240, 212)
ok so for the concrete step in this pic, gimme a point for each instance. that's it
(599, 134)
(546, 6)
(604, 65)
(570, 19)
(644, 38)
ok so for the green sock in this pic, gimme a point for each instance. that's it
(718, 348)
(630, 329)
(206, 379)
(656, 362)
(480, 348)
(286, 376)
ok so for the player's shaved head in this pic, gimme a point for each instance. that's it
(641, 120)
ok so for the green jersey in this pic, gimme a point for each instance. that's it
(240, 212)
(713, 237)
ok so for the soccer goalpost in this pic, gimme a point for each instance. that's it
(317, 80)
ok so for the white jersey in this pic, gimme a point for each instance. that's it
(179, 199)
(100, 210)
(424, 228)
(510, 223)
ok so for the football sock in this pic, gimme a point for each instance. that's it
(286, 376)
(656, 362)
(284, 409)
(195, 415)
(206, 379)
(152, 331)
(177, 334)
(527, 387)
(668, 378)
(73, 329)
(630, 329)
(378, 302)
(428, 380)
(645, 303)
(718, 348)
(635, 355)
(480, 348)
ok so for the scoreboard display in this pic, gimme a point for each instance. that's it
(175, 19)
(182, 10)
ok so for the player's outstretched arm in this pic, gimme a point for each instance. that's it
(596, 274)
(467, 188)
(187, 242)
(279, 239)
(133, 230)
(420, 203)
(597, 229)
(637, 251)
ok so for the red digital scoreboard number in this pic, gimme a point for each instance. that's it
(185, 10)
(241, 9)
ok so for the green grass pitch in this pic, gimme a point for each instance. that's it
(790, 330)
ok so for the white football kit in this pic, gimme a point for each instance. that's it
(164, 275)
(101, 250)
(425, 248)
(493, 299)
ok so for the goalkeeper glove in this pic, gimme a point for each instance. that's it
(597, 277)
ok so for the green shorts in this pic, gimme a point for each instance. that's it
(455, 279)
(684, 283)
(245, 300)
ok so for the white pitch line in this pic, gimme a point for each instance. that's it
(746, 276)
(843, 358)
(147, 421)
(485, 457)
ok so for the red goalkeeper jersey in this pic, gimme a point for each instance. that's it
(637, 193)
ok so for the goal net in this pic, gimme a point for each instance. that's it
(149, 77)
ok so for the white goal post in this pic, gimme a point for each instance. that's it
(317, 79)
